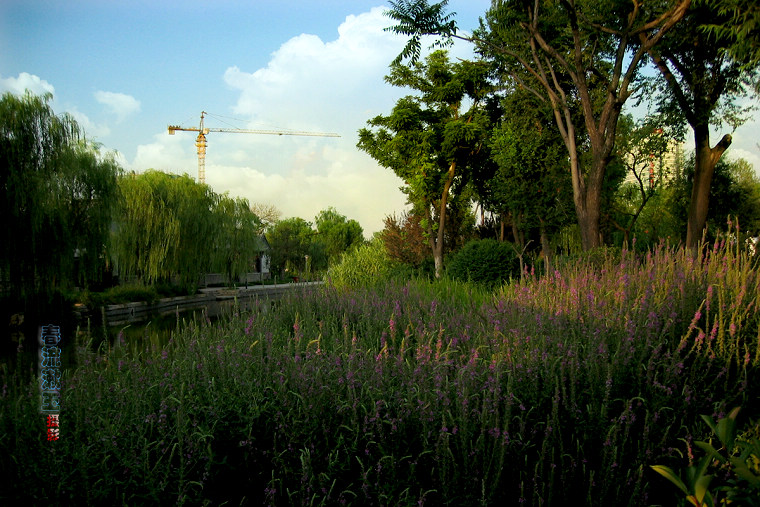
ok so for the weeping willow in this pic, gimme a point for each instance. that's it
(171, 227)
(57, 200)
(237, 238)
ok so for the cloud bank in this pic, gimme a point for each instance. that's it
(120, 104)
(25, 81)
(307, 85)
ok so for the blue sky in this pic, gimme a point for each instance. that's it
(125, 69)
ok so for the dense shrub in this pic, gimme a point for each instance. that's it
(364, 266)
(485, 261)
(122, 294)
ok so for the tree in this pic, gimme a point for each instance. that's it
(748, 203)
(166, 226)
(268, 215)
(577, 58)
(703, 80)
(530, 184)
(291, 241)
(734, 192)
(57, 197)
(236, 237)
(430, 140)
(640, 148)
(337, 233)
(404, 239)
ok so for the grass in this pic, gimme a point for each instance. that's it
(554, 389)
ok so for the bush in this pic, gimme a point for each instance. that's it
(594, 259)
(363, 267)
(485, 261)
(122, 294)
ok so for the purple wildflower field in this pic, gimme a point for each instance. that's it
(555, 388)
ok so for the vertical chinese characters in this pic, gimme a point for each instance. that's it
(50, 377)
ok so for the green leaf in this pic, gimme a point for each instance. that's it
(741, 469)
(671, 476)
(701, 491)
(710, 450)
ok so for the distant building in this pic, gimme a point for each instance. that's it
(654, 170)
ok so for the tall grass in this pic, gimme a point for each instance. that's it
(555, 389)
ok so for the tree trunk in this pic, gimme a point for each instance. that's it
(436, 244)
(705, 162)
(587, 208)
(516, 232)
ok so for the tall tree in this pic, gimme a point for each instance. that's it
(577, 57)
(236, 237)
(291, 241)
(166, 227)
(56, 201)
(337, 232)
(703, 78)
(531, 184)
(432, 140)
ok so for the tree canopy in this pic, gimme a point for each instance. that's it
(337, 233)
(58, 196)
(434, 138)
(703, 75)
(579, 57)
(171, 226)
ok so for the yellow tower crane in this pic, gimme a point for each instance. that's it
(200, 141)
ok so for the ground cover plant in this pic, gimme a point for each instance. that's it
(557, 388)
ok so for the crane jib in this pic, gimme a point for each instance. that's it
(200, 141)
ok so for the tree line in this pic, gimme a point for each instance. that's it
(536, 125)
(72, 217)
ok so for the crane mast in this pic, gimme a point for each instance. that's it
(200, 141)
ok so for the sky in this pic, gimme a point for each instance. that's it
(126, 69)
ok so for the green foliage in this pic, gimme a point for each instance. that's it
(170, 226)
(433, 140)
(58, 196)
(292, 240)
(416, 18)
(485, 261)
(530, 184)
(561, 386)
(735, 461)
(364, 266)
(734, 194)
(337, 233)
(742, 29)
(121, 294)
(237, 232)
(166, 227)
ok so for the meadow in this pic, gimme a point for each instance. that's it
(556, 388)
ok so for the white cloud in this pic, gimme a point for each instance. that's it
(320, 86)
(166, 153)
(308, 85)
(89, 127)
(120, 104)
(26, 81)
